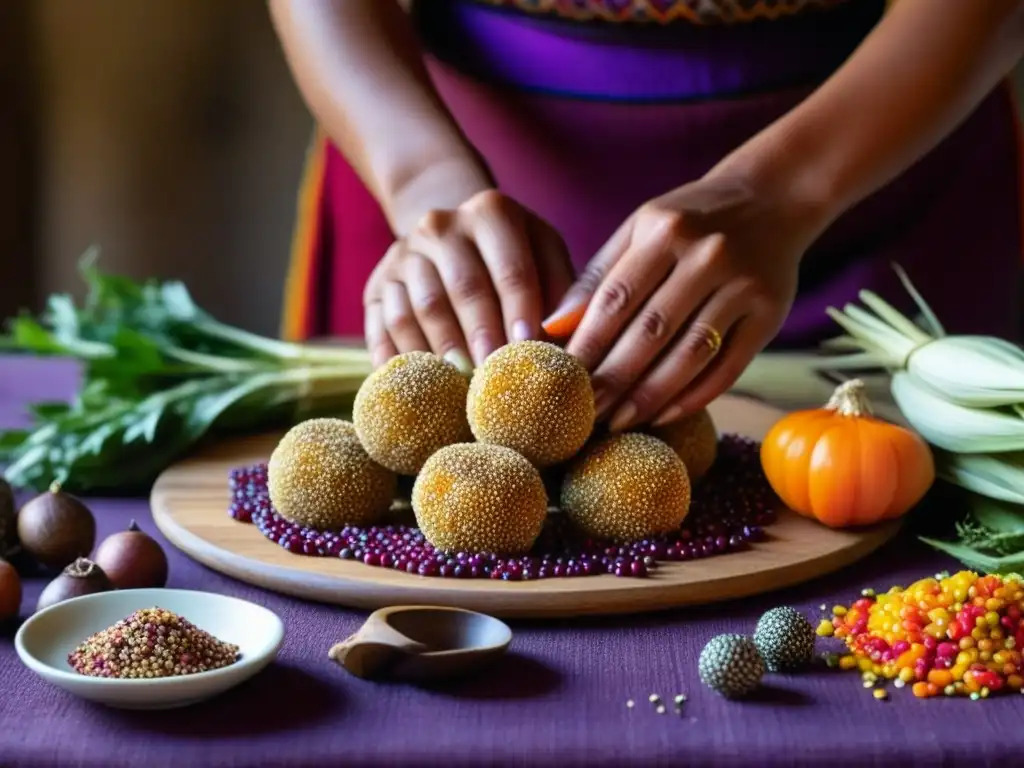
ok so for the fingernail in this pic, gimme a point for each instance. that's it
(623, 418)
(671, 414)
(521, 330)
(564, 320)
(553, 317)
(460, 360)
(566, 304)
(481, 349)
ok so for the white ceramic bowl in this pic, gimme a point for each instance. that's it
(44, 641)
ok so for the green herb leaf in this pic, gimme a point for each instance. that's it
(979, 561)
(159, 375)
(997, 516)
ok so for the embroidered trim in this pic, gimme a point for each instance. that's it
(665, 11)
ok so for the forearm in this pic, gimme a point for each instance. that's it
(919, 74)
(360, 70)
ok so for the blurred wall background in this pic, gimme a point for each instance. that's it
(166, 131)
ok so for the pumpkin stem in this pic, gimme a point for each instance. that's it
(850, 399)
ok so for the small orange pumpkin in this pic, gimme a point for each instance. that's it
(844, 467)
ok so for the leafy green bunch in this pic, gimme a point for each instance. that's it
(159, 375)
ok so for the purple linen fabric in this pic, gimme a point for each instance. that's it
(559, 698)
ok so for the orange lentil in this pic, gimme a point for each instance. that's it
(958, 635)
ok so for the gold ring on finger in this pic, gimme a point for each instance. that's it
(713, 339)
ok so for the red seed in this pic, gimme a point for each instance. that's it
(947, 650)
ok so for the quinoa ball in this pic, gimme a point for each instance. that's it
(731, 665)
(627, 487)
(534, 398)
(409, 408)
(785, 639)
(319, 476)
(694, 438)
(474, 497)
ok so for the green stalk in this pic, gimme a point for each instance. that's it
(929, 318)
(283, 350)
(892, 349)
(320, 381)
(888, 313)
(216, 363)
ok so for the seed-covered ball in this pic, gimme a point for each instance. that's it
(409, 408)
(534, 398)
(320, 476)
(475, 497)
(785, 639)
(731, 665)
(695, 439)
(627, 487)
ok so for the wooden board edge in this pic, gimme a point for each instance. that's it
(365, 595)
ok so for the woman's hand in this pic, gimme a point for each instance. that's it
(466, 281)
(683, 296)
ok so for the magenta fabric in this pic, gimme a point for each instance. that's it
(354, 235)
(558, 698)
(952, 221)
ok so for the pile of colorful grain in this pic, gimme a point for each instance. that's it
(958, 635)
(149, 643)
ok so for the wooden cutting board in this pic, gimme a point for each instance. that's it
(190, 502)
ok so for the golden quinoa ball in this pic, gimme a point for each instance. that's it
(409, 408)
(627, 487)
(695, 439)
(475, 497)
(320, 476)
(534, 398)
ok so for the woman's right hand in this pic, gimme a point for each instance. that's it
(465, 281)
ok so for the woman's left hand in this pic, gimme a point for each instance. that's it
(683, 296)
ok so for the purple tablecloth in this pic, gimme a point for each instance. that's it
(558, 698)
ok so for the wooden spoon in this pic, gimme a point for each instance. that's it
(419, 643)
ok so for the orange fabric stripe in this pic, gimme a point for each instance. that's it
(305, 239)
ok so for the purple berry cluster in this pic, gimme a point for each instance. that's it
(730, 508)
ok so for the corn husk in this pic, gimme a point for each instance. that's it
(975, 371)
(954, 427)
(995, 476)
(971, 370)
(965, 396)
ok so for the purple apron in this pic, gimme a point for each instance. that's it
(583, 123)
